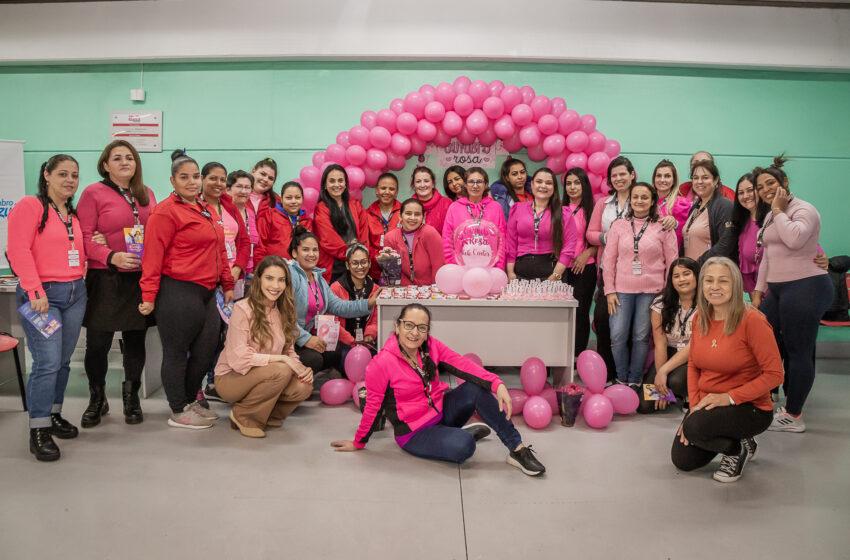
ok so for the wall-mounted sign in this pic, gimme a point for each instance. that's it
(469, 155)
(143, 129)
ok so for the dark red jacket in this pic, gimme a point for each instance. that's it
(184, 244)
(275, 232)
(243, 242)
(378, 229)
(331, 246)
(685, 190)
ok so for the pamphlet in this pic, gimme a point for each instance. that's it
(46, 323)
(134, 239)
(328, 330)
(224, 309)
(651, 393)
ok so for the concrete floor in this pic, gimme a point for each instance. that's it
(151, 492)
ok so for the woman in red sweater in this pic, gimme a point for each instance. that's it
(46, 250)
(423, 182)
(354, 285)
(184, 261)
(117, 207)
(339, 221)
(275, 227)
(732, 366)
(382, 216)
(236, 242)
(263, 196)
(240, 184)
(418, 244)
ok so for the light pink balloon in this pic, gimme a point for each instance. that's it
(406, 123)
(452, 123)
(461, 84)
(335, 154)
(551, 397)
(310, 176)
(442, 139)
(464, 104)
(477, 121)
(369, 119)
(478, 91)
(418, 145)
(536, 153)
(598, 163)
(595, 142)
(527, 94)
(554, 145)
(504, 127)
(493, 107)
(488, 137)
(336, 391)
(414, 102)
(477, 282)
(465, 137)
(380, 137)
(359, 135)
(604, 187)
(376, 159)
(511, 97)
(311, 198)
(355, 392)
(529, 135)
(512, 144)
(445, 94)
(518, 400)
(426, 131)
(395, 162)
(427, 91)
(595, 180)
(623, 397)
(371, 176)
(342, 139)
(548, 124)
(356, 177)
(612, 148)
(532, 375)
(557, 164)
(355, 154)
(449, 278)
(386, 118)
(568, 121)
(522, 114)
(577, 159)
(588, 123)
(541, 105)
(435, 111)
(496, 87)
(397, 106)
(318, 159)
(577, 141)
(400, 144)
(355, 363)
(499, 279)
(597, 411)
(537, 413)
(473, 357)
(592, 370)
(558, 106)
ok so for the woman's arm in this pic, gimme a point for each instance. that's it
(796, 230)
(594, 226)
(450, 362)
(569, 234)
(159, 233)
(238, 353)
(448, 234)
(341, 307)
(88, 212)
(762, 343)
(609, 259)
(377, 381)
(512, 238)
(659, 338)
(344, 336)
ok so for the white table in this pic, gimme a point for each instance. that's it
(502, 333)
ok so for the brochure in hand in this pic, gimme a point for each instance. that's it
(651, 393)
(46, 323)
(224, 309)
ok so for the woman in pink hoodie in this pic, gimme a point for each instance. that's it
(427, 416)
(475, 203)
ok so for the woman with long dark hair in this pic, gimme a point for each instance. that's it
(263, 196)
(453, 181)
(708, 219)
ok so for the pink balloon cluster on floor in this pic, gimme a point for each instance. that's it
(602, 402)
(476, 281)
(536, 401)
(469, 110)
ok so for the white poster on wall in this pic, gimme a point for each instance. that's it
(142, 129)
(11, 187)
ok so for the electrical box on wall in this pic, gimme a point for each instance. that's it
(137, 95)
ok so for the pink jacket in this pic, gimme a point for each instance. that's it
(462, 210)
(680, 210)
(427, 254)
(393, 385)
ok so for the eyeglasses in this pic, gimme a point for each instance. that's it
(359, 264)
(476, 182)
(241, 187)
(410, 325)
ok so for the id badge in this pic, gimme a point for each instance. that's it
(231, 250)
(73, 258)
(636, 269)
(358, 335)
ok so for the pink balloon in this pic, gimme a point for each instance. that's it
(426, 130)
(445, 94)
(414, 102)
(464, 104)
(588, 123)
(576, 160)
(496, 87)
(511, 96)
(427, 91)
(478, 91)
(493, 107)
(604, 187)
(318, 159)
(504, 127)
(356, 194)
(488, 137)
(336, 391)
(598, 411)
(595, 180)
(558, 106)
(397, 106)
(522, 114)
(568, 121)
(499, 279)
(577, 141)
(592, 370)
(395, 162)
(406, 123)
(595, 142)
(554, 144)
(477, 122)
(355, 392)
(477, 282)
(465, 137)
(548, 124)
(335, 154)
(376, 159)
(529, 135)
(598, 163)
(461, 84)
(452, 123)
(310, 176)
(449, 278)
(371, 175)
(418, 145)
(537, 413)
(386, 118)
(527, 93)
(369, 119)
(551, 397)
(356, 177)
(311, 198)
(623, 397)
(355, 154)
(558, 164)
(380, 137)
(342, 139)
(435, 111)
(518, 400)
(356, 361)
(612, 148)
(536, 153)
(473, 357)
(400, 144)
(512, 144)
(541, 105)
(359, 136)
(532, 375)
(442, 139)
(476, 243)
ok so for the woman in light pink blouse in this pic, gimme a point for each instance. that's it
(258, 370)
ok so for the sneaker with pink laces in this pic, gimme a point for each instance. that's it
(784, 422)
(189, 419)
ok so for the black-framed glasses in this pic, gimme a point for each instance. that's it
(410, 325)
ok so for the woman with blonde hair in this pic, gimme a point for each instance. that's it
(733, 364)
(258, 370)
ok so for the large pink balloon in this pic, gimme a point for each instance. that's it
(558, 164)
(369, 119)
(496, 87)
(518, 400)
(592, 370)
(512, 143)
(461, 84)
(499, 279)
(356, 177)
(598, 163)
(318, 159)
(477, 122)
(493, 107)
(310, 176)
(558, 106)
(536, 153)
(356, 194)
(386, 118)
(623, 397)
(551, 397)
(376, 159)
(336, 154)
(465, 136)
(548, 124)
(406, 123)
(537, 413)
(504, 127)
(435, 111)
(395, 162)
(588, 123)
(336, 391)
(380, 137)
(396, 106)
(522, 114)
(450, 278)
(414, 102)
(532, 375)
(577, 141)
(442, 139)
(595, 182)
(342, 139)
(612, 148)
(568, 121)
(576, 160)
(473, 357)
(527, 93)
(595, 142)
(529, 135)
(477, 282)
(427, 91)
(426, 131)
(463, 104)
(541, 105)
(554, 144)
(359, 135)
(452, 123)
(356, 361)
(355, 154)
(476, 243)
(478, 91)
(511, 97)
(488, 137)
(445, 94)
(417, 143)
(371, 175)
(597, 411)
(311, 198)
(400, 144)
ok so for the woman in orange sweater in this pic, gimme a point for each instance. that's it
(734, 363)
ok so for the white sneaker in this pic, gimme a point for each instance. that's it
(203, 412)
(784, 422)
(189, 419)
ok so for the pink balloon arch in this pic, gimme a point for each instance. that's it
(469, 111)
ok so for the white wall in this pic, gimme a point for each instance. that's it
(530, 30)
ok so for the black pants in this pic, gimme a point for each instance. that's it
(534, 267)
(719, 430)
(603, 330)
(98, 344)
(677, 381)
(189, 323)
(319, 361)
(583, 285)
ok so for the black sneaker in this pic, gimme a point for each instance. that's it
(479, 430)
(732, 466)
(525, 461)
(752, 447)
(61, 428)
(211, 394)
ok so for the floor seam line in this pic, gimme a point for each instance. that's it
(462, 512)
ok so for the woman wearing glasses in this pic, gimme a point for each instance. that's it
(356, 285)
(240, 184)
(427, 416)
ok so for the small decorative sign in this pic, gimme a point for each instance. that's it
(142, 129)
(469, 155)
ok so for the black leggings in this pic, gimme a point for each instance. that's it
(534, 267)
(188, 322)
(583, 285)
(319, 361)
(677, 381)
(603, 330)
(98, 344)
(719, 430)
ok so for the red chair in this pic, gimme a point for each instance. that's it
(9, 342)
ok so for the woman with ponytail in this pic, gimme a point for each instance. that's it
(46, 250)
(263, 196)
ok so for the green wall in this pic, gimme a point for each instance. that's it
(237, 113)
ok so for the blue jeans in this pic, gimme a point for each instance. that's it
(51, 357)
(632, 316)
(446, 441)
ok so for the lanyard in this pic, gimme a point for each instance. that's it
(576, 209)
(128, 197)
(637, 236)
(314, 291)
(537, 218)
(220, 215)
(358, 295)
(69, 225)
(419, 371)
(620, 211)
(386, 222)
(683, 323)
(694, 216)
(473, 216)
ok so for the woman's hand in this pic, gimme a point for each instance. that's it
(504, 400)
(580, 262)
(613, 303)
(304, 375)
(99, 238)
(126, 261)
(780, 201)
(146, 307)
(713, 400)
(228, 296)
(669, 223)
(369, 340)
(756, 299)
(315, 343)
(344, 445)
(235, 272)
(681, 434)
(40, 305)
(661, 404)
(373, 299)
(661, 381)
(821, 261)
